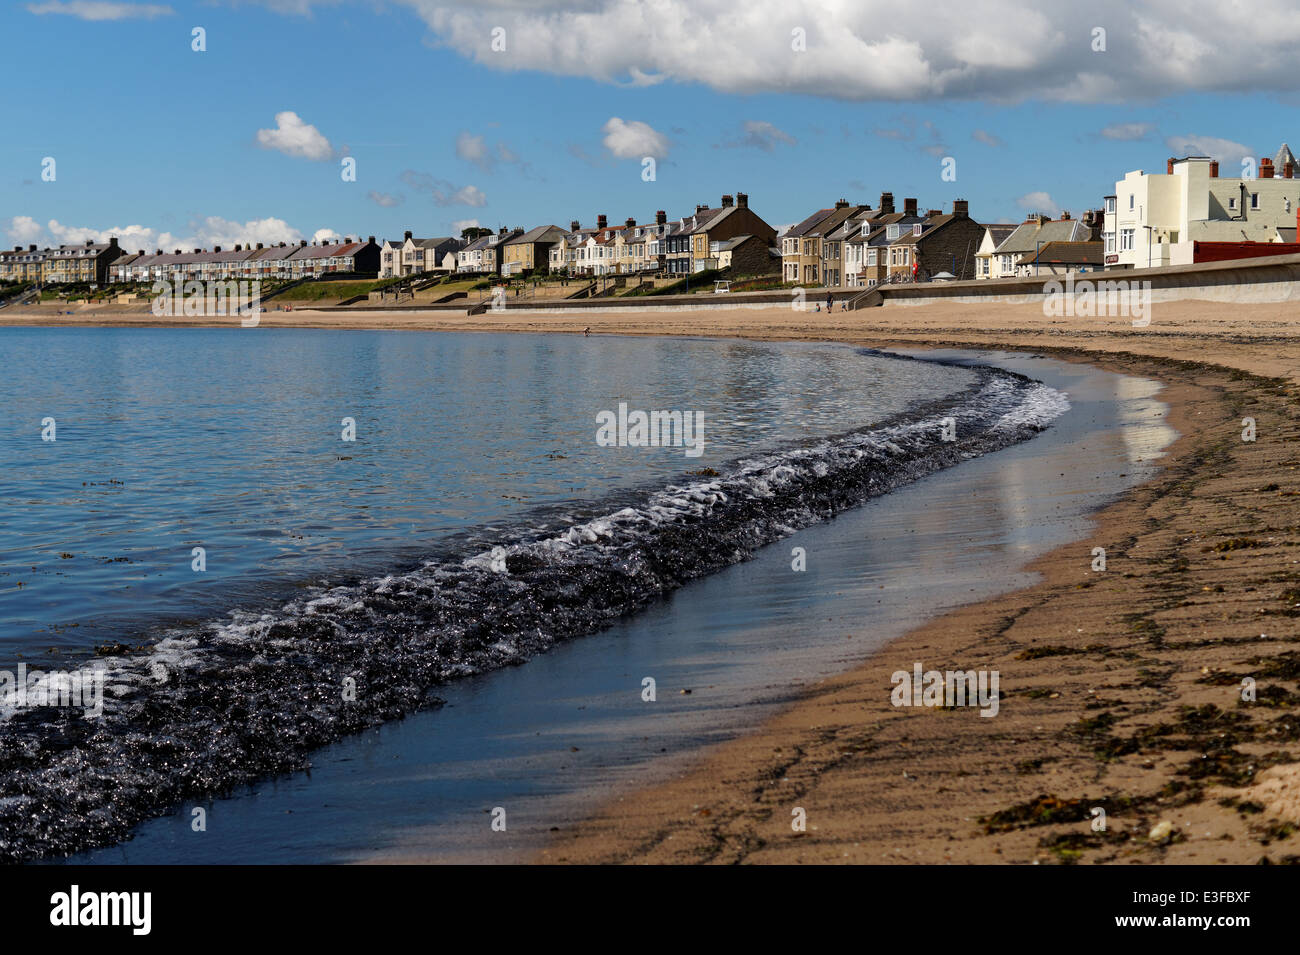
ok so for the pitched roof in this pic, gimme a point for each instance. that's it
(1029, 236)
(328, 251)
(730, 244)
(1284, 156)
(1066, 253)
(807, 224)
(999, 231)
(874, 225)
(538, 234)
(928, 228)
(830, 223)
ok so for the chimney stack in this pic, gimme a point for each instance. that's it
(1169, 166)
(961, 209)
(630, 223)
(575, 225)
(259, 245)
(841, 203)
(408, 233)
(886, 203)
(726, 202)
(600, 222)
(1065, 215)
(1288, 170)
(1266, 168)
(1214, 169)
(931, 213)
(742, 200)
(371, 240)
(215, 248)
(909, 207)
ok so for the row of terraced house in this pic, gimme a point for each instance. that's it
(106, 262)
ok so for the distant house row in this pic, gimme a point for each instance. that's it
(859, 247)
(102, 263)
(88, 263)
(729, 235)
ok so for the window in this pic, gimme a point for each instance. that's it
(1130, 201)
(1110, 203)
(891, 232)
(871, 256)
(1126, 240)
(1232, 202)
(1254, 200)
(1110, 241)
(916, 228)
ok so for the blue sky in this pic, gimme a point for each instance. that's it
(160, 144)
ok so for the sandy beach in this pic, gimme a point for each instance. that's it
(1122, 689)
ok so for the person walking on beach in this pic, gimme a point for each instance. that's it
(830, 301)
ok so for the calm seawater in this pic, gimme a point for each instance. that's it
(230, 440)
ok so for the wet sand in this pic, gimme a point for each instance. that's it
(1122, 689)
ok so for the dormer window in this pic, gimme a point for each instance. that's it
(892, 232)
(866, 228)
(916, 228)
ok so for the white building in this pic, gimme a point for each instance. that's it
(1158, 216)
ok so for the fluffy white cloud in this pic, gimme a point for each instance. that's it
(98, 10)
(634, 139)
(23, 230)
(293, 137)
(1038, 202)
(884, 50)
(1224, 150)
(202, 234)
(881, 49)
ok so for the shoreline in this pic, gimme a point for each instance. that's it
(1107, 678)
(1133, 709)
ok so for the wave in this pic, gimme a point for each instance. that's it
(208, 708)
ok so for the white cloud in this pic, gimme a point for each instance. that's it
(634, 139)
(884, 50)
(881, 49)
(24, 230)
(293, 137)
(985, 137)
(96, 10)
(460, 225)
(383, 199)
(1038, 202)
(203, 233)
(1224, 150)
(1128, 132)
